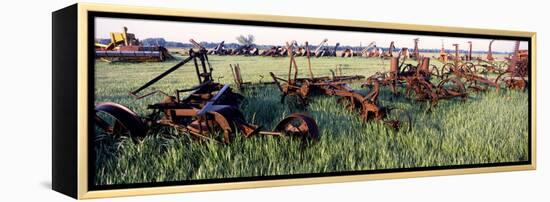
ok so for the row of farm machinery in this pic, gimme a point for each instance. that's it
(211, 110)
(370, 51)
(124, 46)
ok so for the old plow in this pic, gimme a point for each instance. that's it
(516, 75)
(208, 111)
(417, 82)
(367, 106)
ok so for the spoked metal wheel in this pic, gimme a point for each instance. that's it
(452, 87)
(435, 72)
(447, 70)
(468, 67)
(220, 123)
(399, 120)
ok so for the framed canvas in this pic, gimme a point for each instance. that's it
(157, 100)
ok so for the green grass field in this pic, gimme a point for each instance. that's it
(489, 127)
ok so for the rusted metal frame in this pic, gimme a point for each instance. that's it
(469, 56)
(471, 76)
(423, 89)
(206, 75)
(276, 81)
(308, 55)
(213, 101)
(200, 91)
(290, 49)
(475, 78)
(490, 51)
(446, 93)
(198, 133)
(237, 82)
(193, 133)
(515, 58)
(416, 53)
(191, 52)
(238, 74)
(237, 78)
(203, 57)
(513, 82)
(333, 73)
(375, 91)
(156, 79)
(390, 49)
(417, 80)
(337, 75)
(367, 103)
(334, 88)
(182, 110)
(222, 121)
(457, 54)
(320, 47)
(200, 105)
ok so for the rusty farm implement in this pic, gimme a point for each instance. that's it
(367, 106)
(208, 110)
(416, 82)
(125, 46)
(511, 74)
(134, 53)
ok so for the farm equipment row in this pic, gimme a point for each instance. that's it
(417, 82)
(367, 106)
(321, 50)
(453, 79)
(124, 46)
(210, 110)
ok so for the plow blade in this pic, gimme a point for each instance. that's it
(125, 120)
(300, 125)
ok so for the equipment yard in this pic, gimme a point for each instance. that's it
(449, 126)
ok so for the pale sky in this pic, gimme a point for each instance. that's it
(183, 31)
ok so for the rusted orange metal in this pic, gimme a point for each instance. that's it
(490, 52)
(209, 108)
(367, 106)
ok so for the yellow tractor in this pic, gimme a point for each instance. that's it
(125, 47)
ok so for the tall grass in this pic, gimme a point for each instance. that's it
(489, 127)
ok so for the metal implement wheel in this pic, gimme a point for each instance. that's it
(451, 87)
(435, 72)
(116, 119)
(300, 125)
(468, 67)
(447, 70)
(222, 119)
(399, 119)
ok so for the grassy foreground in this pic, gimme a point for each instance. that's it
(488, 128)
